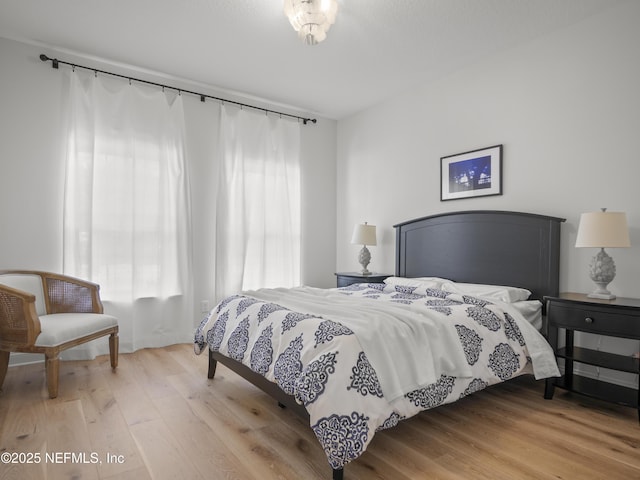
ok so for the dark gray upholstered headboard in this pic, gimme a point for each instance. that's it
(483, 246)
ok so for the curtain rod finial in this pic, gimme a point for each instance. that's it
(54, 61)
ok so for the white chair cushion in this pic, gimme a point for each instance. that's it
(60, 328)
(27, 283)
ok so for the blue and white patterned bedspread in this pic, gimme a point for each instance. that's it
(324, 364)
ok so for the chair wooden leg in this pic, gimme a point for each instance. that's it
(114, 343)
(4, 364)
(53, 370)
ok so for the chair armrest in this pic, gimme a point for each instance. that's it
(65, 294)
(19, 323)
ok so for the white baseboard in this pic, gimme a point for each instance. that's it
(19, 358)
(623, 379)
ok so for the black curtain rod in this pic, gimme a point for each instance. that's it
(55, 63)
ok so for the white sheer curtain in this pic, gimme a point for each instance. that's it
(258, 206)
(126, 212)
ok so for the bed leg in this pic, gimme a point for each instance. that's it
(338, 473)
(213, 363)
(549, 388)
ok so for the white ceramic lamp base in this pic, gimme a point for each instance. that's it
(602, 271)
(364, 258)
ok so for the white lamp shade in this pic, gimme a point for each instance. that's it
(364, 234)
(603, 230)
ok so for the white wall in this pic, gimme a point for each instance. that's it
(31, 174)
(32, 170)
(319, 204)
(566, 107)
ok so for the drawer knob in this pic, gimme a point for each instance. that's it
(588, 320)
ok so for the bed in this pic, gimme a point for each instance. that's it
(457, 317)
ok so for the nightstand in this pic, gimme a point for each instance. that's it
(347, 278)
(619, 317)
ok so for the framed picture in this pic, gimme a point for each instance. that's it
(477, 173)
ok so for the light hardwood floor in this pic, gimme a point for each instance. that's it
(159, 417)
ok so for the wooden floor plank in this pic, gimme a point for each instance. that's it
(130, 395)
(163, 454)
(162, 418)
(206, 450)
(68, 446)
(237, 426)
(24, 432)
(109, 433)
(603, 441)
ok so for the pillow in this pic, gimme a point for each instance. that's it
(531, 310)
(425, 282)
(500, 293)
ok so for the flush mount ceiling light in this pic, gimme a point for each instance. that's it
(311, 18)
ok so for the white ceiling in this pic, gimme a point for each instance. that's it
(375, 49)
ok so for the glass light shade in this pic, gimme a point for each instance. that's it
(364, 234)
(603, 230)
(311, 18)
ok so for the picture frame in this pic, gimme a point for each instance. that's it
(477, 173)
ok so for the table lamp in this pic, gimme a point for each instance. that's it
(602, 230)
(364, 234)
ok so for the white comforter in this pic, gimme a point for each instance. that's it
(364, 357)
(403, 327)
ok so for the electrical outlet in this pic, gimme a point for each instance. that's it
(204, 306)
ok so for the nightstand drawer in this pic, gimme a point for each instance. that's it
(595, 321)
